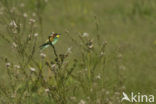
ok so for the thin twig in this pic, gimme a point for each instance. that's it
(54, 50)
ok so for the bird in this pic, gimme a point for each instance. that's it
(52, 39)
(125, 97)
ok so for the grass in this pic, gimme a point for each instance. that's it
(118, 55)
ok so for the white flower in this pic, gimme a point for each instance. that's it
(98, 77)
(32, 69)
(102, 53)
(53, 66)
(85, 34)
(32, 20)
(91, 90)
(17, 66)
(33, 14)
(29, 36)
(36, 34)
(7, 64)
(14, 44)
(43, 55)
(47, 90)
(82, 102)
(46, 1)
(13, 24)
(86, 69)
(107, 92)
(73, 98)
(69, 50)
(91, 46)
(25, 15)
(122, 67)
(22, 5)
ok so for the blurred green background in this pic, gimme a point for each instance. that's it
(128, 26)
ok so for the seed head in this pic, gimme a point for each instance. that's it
(69, 50)
(73, 98)
(47, 90)
(46, 1)
(33, 14)
(13, 24)
(91, 46)
(53, 66)
(8, 64)
(17, 66)
(36, 34)
(98, 77)
(32, 69)
(31, 21)
(85, 34)
(102, 53)
(22, 5)
(43, 55)
(14, 45)
(82, 102)
(25, 15)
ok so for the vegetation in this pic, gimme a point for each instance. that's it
(106, 48)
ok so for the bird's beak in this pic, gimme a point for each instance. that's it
(58, 35)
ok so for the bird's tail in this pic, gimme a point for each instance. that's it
(43, 46)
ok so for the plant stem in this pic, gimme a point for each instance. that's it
(54, 50)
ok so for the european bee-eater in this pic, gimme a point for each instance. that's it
(52, 39)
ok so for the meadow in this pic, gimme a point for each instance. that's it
(105, 48)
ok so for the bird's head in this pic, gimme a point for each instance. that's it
(57, 35)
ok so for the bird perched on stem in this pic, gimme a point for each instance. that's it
(52, 39)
